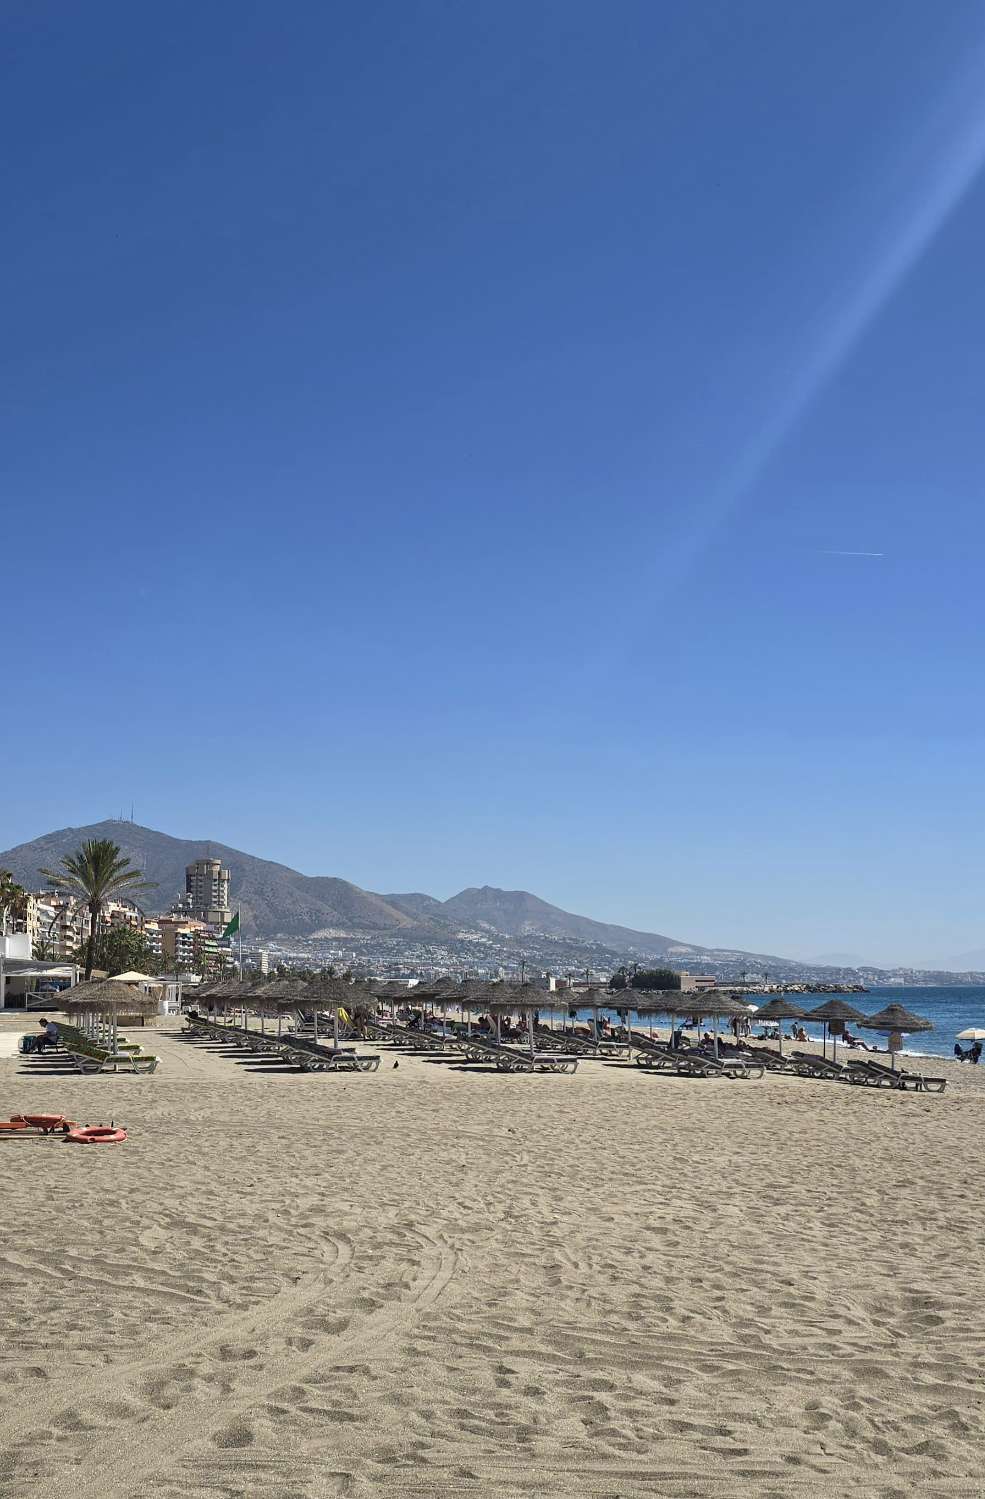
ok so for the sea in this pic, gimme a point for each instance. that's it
(949, 1009)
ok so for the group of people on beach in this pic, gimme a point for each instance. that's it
(973, 1054)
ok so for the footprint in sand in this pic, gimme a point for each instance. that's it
(236, 1433)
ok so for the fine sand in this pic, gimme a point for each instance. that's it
(437, 1280)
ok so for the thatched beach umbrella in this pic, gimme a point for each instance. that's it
(713, 1003)
(896, 1020)
(287, 992)
(525, 999)
(781, 1008)
(108, 999)
(650, 1002)
(835, 1010)
(333, 994)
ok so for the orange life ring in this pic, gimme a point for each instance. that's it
(96, 1134)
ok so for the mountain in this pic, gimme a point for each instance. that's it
(520, 914)
(278, 902)
(418, 907)
(841, 960)
(272, 898)
(965, 962)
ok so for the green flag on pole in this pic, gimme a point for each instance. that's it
(233, 927)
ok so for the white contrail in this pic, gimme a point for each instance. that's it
(835, 552)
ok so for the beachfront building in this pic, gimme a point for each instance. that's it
(58, 925)
(153, 937)
(178, 939)
(692, 981)
(191, 944)
(21, 976)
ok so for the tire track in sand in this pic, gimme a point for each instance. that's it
(105, 1380)
(122, 1460)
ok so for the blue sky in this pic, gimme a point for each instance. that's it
(432, 436)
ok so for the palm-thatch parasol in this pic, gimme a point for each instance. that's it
(334, 994)
(713, 1003)
(108, 998)
(836, 1010)
(503, 999)
(896, 1020)
(287, 992)
(595, 999)
(781, 1008)
(652, 1002)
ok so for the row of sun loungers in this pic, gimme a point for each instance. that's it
(478, 1046)
(559, 1052)
(692, 1061)
(79, 1051)
(307, 1055)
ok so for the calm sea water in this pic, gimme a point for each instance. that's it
(951, 1010)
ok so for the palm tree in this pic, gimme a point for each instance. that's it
(12, 898)
(94, 875)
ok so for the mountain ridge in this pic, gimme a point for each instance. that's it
(277, 901)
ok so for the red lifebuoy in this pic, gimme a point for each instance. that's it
(96, 1134)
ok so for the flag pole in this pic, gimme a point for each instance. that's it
(239, 931)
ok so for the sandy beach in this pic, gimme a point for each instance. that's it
(436, 1280)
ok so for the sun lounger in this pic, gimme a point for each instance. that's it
(731, 1066)
(409, 1036)
(311, 1056)
(692, 1061)
(581, 1046)
(823, 1067)
(516, 1058)
(876, 1074)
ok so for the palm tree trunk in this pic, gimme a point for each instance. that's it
(91, 941)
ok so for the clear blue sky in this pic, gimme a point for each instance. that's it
(431, 433)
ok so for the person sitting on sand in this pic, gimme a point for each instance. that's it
(976, 1052)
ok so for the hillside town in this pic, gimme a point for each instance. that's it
(46, 931)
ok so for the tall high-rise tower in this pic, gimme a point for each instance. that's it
(207, 890)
